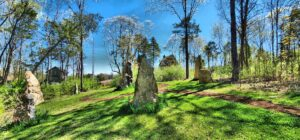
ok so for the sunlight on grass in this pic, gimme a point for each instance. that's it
(290, 99)
(184, 117)
(63, 104)
(1, 106)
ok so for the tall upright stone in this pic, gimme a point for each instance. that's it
(198, 65)
(33, 88)
(33, 96)
(145, 87)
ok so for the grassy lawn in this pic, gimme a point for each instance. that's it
(1, 105)
(184, 117)
(290, 98)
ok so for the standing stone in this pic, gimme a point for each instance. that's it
(33, 96)
(205, 76)
(145, 86)
(198, 66)
(34, 88)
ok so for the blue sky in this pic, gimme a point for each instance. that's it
(206, 16)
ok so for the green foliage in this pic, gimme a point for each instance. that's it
(169, 73)
(153, 50)
(68, 87)
(115, 81)
(210, 51)
(11, 93)
(221, 72)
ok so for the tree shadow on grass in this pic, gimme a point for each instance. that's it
(103, 120)
(235, 116)
(67, 122)
(197, 86)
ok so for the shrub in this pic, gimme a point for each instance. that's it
(169, 73)
(115, 81)
(11, 93)
(67, 87)
(221, 72)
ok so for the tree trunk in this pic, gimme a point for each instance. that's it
(242, 34)
(8, 64)
(81, 6)
(208, 62)
(20, 62)
(234, 54)
(272, 41)
(186, 42)
(277, 27)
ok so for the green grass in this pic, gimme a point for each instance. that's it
(184, 117)
(1, 105)
(62, 104)
(289, 98)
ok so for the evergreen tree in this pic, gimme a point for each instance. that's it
(154, 50)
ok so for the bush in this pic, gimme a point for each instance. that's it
(11, 93)
(169, 73)
(220, 72)
(115, 81)
(67, 87)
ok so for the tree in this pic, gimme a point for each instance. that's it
(123, 38)
(21, 26)
(7, 10)
(246, 8)
(196, 45)
(68, 32)
(210, 51)
(173, 46)
(290, 40)
(154, 50)
(234, 54)
(218, 36)
(226, 53)
(114, 30)
(184, 10)
(81, 4)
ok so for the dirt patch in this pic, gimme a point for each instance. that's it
(89, 99)
(233, 98)
(246, 100)
(162, 88)
(273, 86)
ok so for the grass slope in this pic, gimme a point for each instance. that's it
(290, 98)
(1, 105)
(184, 117)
